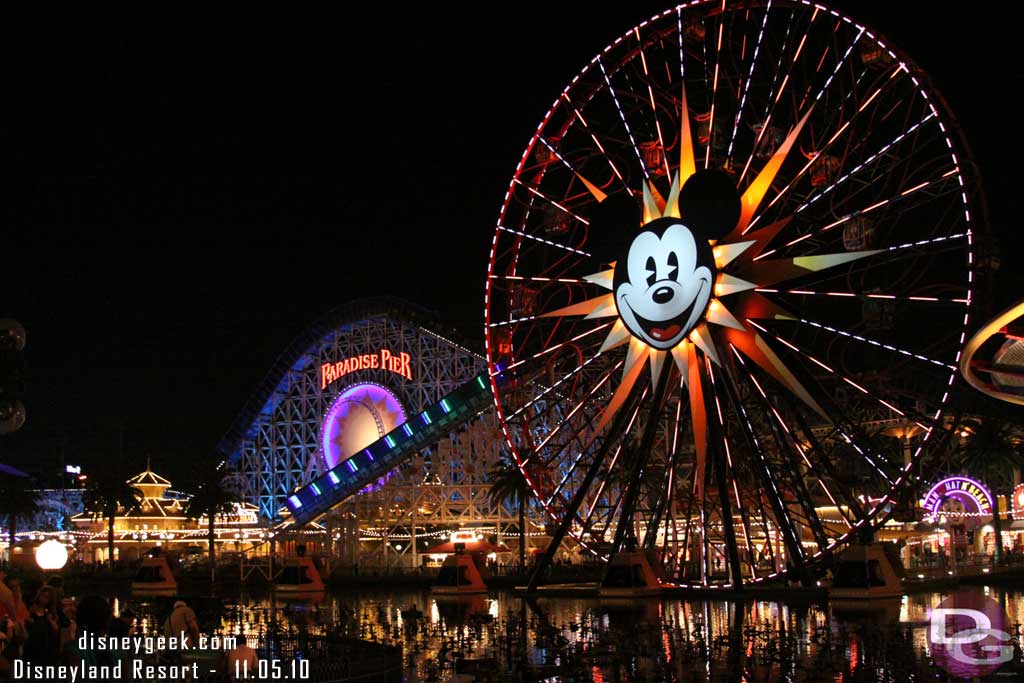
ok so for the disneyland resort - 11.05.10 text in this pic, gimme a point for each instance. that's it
(131, 662)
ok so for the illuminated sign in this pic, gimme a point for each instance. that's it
(73, 469)
(960, 490)
(464, 537)
(398, 363)
(1018, 502)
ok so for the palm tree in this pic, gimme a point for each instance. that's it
(509, 487)
(991, 451)
(212, 497)
(109, 496)
(16, 501)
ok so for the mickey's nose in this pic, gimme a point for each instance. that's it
(662, 295)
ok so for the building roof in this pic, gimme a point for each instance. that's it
(148, 478)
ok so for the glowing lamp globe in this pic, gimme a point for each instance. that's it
(51, 555)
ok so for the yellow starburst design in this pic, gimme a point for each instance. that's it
(726, 326)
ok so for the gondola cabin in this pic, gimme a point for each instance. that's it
(155, 577)
(461, 574)
(864, 572)
(629, 575)
(299, 575)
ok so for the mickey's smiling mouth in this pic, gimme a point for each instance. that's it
(664, 330)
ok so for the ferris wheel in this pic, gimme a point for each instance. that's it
(741, 236)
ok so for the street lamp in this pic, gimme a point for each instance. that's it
(51, 555)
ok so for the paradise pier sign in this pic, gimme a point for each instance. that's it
(384, 359)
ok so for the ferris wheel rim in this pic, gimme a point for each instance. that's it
(924, 88)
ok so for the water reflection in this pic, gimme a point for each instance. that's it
(570, 639)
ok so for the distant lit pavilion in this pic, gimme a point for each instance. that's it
(159, 521)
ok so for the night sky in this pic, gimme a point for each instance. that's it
(181, 202)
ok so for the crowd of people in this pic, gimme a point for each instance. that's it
(44, 630)
(40, 628)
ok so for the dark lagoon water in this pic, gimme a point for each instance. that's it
(576, 639)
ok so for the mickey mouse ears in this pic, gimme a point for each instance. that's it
(708, 204)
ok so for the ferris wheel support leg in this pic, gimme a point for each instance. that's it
(794, 551)
(651, 537)
(714, 437)
(625, 525)
(791, 470)
(824, 463)
(614, 431)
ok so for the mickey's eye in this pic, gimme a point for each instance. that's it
(673, 266)
(652, 271)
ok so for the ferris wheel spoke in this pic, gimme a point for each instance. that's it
(544, 394)
(654, 107)
(749, 79)
(714, 91)
(561, 345)
(821, 152)
(773, 96)
(927, 242)
(622, 117)
(530, 278)
(835, 71)
(879, 462)
(578, 407)
(877, 344)
(593, 188)
(867, 163)
(514, 321)
(534, 191)
(597, 143)
(866, 296)
(900, 197)
(548, 242)
(889, 406)
(682, 43)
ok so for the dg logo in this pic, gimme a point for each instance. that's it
(968, 635)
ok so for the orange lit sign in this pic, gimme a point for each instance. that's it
(1018, 502)
(398, 363)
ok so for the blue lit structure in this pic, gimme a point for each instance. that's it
(355, 473)
(274, 444)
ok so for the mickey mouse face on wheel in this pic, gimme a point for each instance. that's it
(664, 282)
